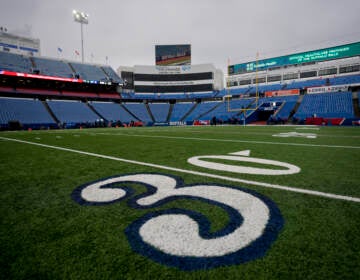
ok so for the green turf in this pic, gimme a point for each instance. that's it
(44, 234)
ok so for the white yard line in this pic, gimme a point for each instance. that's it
(229, 140)
(203, 174)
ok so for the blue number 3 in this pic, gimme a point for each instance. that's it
(182, 238)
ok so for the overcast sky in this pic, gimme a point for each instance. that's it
(127, 31)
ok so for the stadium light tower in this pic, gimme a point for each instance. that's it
(81, 18)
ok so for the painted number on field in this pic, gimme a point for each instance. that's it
(243, 156)
(182, 238)
(296, 134)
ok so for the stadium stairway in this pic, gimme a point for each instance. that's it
(131, 113)
(296, 107)
(33, 64)
(149, 112)
(170, 112)
(50, 111)
(106, 74)
(209, 111)
(95, 111)
(279, 109)
(190, 111)
(251, 105)
(72, 68)
(356, 100)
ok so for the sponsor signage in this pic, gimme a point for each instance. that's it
(173, 83)
(282, 92)
(314, 90)
(172, 69)
(182, 69)
(337, 52)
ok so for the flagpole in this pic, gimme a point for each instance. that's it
(59, 51)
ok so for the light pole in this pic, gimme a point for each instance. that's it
(81, 18)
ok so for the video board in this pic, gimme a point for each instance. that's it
(337, 52)
(172, 55)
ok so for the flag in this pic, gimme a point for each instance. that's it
(59, 49)
(77, 52)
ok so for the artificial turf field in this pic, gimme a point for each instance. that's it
(47, 233)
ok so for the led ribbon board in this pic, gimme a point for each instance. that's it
(42, 77)
(337, 52)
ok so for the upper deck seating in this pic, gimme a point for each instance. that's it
(15, 62)
(53, 67)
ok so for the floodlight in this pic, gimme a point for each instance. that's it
(81, 18)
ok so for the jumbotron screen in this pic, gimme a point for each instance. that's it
(172, 55)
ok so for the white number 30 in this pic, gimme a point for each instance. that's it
(182, 238)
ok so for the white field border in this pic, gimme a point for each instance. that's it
(226, 140)
(203, 174)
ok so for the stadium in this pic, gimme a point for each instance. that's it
(177, 170)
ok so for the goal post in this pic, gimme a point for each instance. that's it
(227, 98)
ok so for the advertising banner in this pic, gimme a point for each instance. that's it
(282, 92)
(314, 90)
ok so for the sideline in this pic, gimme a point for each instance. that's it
(203, 174)
(226, 140)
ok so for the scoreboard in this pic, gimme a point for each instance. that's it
(172, 55)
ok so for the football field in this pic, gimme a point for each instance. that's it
(221, 202)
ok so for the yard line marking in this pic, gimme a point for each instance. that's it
(229, 140)
(203, 174)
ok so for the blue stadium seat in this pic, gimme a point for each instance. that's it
(72, 112)
(53, 67)
(15, 62)
(285, 111)
(26, 111)
(326, 105)
(159, 111)
(112, 111)
(201, 109)
(111, 74)
(264, 88)
(286, 103)
(344, 80)
(227, 111)
(90, 72)
(238, 91)
(306, 84)
(180, 110)
(139, 110)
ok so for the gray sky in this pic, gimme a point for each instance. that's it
(127, 31)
